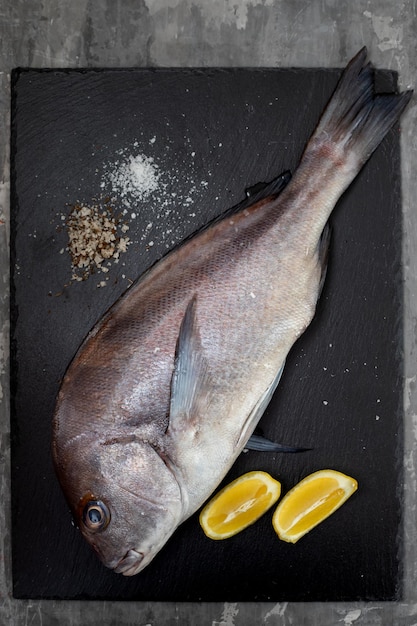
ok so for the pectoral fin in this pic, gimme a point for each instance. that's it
(191, 386)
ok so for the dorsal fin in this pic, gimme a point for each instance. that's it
(262, 190)
(254, 194)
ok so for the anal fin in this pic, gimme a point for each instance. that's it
(324, 244)
(259, 408)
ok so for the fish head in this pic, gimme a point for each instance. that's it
(124, 498)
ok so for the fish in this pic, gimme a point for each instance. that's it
(167, 388)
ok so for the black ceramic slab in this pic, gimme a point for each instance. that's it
(211, 133)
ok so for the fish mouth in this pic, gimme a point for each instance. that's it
(130, 564)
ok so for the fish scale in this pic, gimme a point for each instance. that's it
(165, 392)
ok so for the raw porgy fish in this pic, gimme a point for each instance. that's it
(166, 390)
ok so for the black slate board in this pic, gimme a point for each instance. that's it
(211, 133)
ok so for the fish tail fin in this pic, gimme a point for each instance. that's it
(356, 119)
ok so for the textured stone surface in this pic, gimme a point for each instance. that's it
(117, 33)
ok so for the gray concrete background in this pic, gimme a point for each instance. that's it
(303, 33)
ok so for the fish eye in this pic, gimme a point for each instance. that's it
(96, 515)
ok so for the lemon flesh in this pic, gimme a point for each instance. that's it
(310, 502)
(239, 504)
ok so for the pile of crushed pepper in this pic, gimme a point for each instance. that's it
(95, 236)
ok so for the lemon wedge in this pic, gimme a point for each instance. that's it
(310, 502)
(239, 504)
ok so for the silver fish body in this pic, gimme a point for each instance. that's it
(166, 390)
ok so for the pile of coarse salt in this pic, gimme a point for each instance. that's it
(133, 179)
(95, 237)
